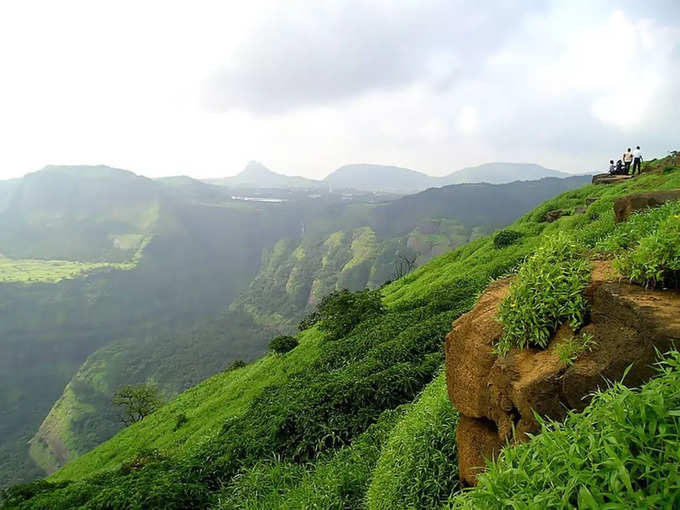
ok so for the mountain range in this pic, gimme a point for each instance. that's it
(385, 178)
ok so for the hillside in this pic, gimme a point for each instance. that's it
(402, 180)
(335, 422)
(296, 274)
(113, 258)
(498, 173)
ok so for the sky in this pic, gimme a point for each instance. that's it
(200, 88)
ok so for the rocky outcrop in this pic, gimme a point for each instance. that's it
(553, 215)
(610, 179)
(498, 396)
(625, 206)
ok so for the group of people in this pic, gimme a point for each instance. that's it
(622, 166)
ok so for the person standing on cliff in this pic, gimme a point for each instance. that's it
(637, 160)
(627, 160)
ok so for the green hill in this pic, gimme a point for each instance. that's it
(95, 256)
(296, 274)
(360, 418)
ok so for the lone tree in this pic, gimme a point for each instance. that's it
(283, 344)
(137, 401)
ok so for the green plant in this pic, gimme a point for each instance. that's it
(235, 365)
(655, 261)
(339, 312)
(547, 292)
(283, 344)
(569, 350)
(136, 401)
(621, 452)
(418, 467)
(505, 238)
(181, 420)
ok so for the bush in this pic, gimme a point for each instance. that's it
(181, 420)
(655, 261)
(236, 364)
(547, 292)
(339, 312)
(283, 344)
(418, 467)
(505, 238)
(570, 349)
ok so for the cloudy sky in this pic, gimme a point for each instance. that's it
(200, 88)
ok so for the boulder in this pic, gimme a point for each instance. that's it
(590, 200)
(551, 216)
(579, 210)
(499, 395)
(625, 206)
(610, 179)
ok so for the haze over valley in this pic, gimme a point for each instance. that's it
(348, 254)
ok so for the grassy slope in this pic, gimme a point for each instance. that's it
(449, 281)
(206, 406)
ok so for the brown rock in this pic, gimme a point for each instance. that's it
(469, 351)
(579, 210)
(480, 442)
(627, 322)
(590, 200)
(610, 179)
(625, 206)
(551, 216)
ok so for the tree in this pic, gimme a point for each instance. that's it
(283, 344)
(403, 265)
(137, 401)
(340, 311)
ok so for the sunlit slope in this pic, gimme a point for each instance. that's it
(298, 423)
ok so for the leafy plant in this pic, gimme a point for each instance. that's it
(505, 238)
(181, 420)
(569, 350)
(655, 261)
(339, 312)
(283, 344)
(235, 365)
(547, 292)
(621, 452)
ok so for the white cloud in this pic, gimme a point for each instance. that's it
(305, 87)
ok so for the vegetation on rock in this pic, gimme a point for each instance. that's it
(548, 291)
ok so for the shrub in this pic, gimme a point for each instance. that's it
(339, 312)
(181, 420)
(418, 467)
(505, 238)
(569, 350)
(655, 261)
(547, 292)
(283, 344)
(236, 364)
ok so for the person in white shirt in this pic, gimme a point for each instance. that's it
(637, 159)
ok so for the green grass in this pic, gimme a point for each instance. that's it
(655, 261)
(307, 426)
(547, 292)
(418, 467)
(29, 271)
(206, 406)
(570, 349)
(621, 452)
